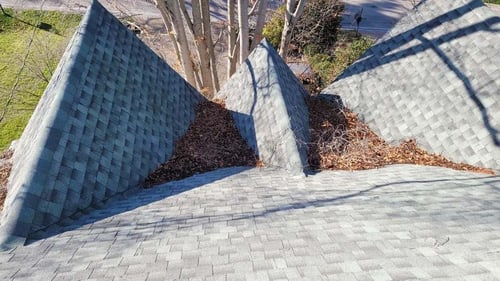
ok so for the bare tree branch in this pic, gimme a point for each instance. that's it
(294, 10)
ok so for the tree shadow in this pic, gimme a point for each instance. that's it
(133, 200)
(383, 52)
(261, 87)
(217, 11)
(157, 225)
(42, 25)
(337, 200)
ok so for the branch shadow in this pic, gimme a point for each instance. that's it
(341, 199)
(262, 85)
(382, 53)
(134, 200)
(187, 221)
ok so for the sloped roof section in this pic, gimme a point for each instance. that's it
(268, 106)
(434, 77)
(110, 114)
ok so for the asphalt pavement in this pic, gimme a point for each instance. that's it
(378, 16)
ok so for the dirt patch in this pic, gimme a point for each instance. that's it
(211, 142)
(5, 168)
(340, 141)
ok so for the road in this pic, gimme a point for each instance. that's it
(119, 8)
(378, 15)
(142, 8)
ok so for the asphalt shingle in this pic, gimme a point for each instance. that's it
(110, 114)
(268, 106)
(401, 222)
(434, 77)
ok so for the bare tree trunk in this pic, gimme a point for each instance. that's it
(207, 31)
(167, 20)
(243, 29)
(294, 10)
(261, 20)
(231, 45)
(202, 47)
(172, 7)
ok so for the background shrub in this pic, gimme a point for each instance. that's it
(347, 50)
(316, 30)
(273, 28)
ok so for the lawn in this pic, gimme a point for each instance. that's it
(22, 84)
(493, 1)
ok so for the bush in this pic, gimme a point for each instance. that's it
(272, 30)
(315, 31)
(349, 54)
(328, 67)
(322, 65)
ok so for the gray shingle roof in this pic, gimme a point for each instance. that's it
(267, 103)
(113, 109)
(110, 115)
(434, 77)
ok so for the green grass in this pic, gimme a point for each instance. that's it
(492, 1)
(48, 45)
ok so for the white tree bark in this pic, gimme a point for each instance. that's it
(167, 20)
(261, 20)
(231, 40)
(207, 31)
(173, 9)
(200, 71)
(243, 29)
(202, 48)
(294, 10)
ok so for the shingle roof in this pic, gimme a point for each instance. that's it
(267, 104)
(113, 109)
(434, 77)
(110, 115)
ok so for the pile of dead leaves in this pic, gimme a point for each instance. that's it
(339, 140)
(5, 167)
(211, 142)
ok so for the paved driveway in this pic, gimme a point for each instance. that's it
(396, 223)
(378, 15)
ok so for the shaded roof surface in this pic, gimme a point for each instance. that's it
(267, 104)
(394, 223)
(110, 115)
(434, 77)
(398, 222)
